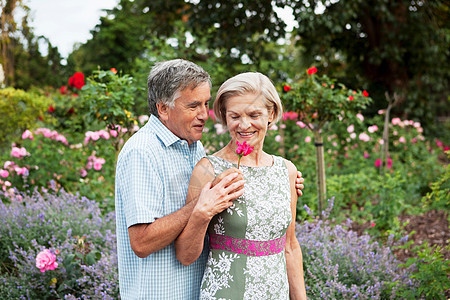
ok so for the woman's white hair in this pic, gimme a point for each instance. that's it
(248, 83)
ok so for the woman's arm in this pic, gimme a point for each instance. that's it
(294, 258)
(210, 200)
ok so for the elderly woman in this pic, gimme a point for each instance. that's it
(254, 253)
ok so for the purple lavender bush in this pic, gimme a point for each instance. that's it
(339, 264)
(81, 240)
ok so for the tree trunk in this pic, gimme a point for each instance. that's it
(320, 170)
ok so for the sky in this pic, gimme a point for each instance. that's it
(66, 22)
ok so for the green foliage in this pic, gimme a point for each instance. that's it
(108, 97)
(384, 46)
(20, 110)
(319, 99)
(439, 197)
(430, 274)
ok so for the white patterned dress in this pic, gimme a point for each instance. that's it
(247, 257)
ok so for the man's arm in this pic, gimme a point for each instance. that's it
(148, 238)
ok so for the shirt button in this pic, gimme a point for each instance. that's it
(182, 143)
(187, 157)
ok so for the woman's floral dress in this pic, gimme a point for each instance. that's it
(247, 258)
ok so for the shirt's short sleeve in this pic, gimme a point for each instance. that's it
(140, 187)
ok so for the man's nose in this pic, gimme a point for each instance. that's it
(203, 113)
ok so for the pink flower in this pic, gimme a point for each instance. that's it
(366, 155)
(307, 139)
(360, 117)
(396, 121)
(402, 140)
(389, 163)
(243, 150)
(301, 124)
(439, 143)
(446, 148)
(372, 225)
(350, 129)
(312, 70)
(97, 166)
(21, 171)
(104, 134)
(372, 128)
(18, 152)
(291, 115)
(143, 119)
(113, 133)
(4, 173)
(114, 70)
(27, 135)
(414, 140)
(378, 163)
(46, 261)
(364, 137)
(83, 173)
(278, 138)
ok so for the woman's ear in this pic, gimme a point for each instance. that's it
(162, 111)
(271, 116)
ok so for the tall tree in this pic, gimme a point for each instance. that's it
(8, 27)
(386, 46)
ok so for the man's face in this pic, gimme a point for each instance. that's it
(187, 118)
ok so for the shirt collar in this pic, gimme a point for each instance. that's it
(164, 134)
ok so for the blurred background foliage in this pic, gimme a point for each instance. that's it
(377, 45)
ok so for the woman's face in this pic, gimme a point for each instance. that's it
(247, 119)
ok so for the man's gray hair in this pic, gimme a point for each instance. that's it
(168, 78)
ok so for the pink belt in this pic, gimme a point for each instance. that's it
(247, 247)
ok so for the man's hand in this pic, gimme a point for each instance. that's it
(299, 184)
(213, 200)
(227, 172)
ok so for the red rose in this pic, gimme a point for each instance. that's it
(114, 70)
(287, 88)
(70, 111)
(77, 80)
(365, 93)
(63, 90)
(350, 98)
(51, 109)
(312, 70)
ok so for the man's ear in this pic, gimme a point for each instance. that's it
(162, 111)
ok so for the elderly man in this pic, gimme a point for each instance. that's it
(152, 177)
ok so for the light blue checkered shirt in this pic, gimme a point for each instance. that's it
(152, 178)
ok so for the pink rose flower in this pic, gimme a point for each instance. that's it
(21, 171)
(18, 152)
(378, 163)
(4, 173)
(113, 133)
(243, 150)
(307, 139)
(27, 135)
(46, 261)
(301, 124)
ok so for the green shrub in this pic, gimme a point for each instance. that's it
(19, 110)
(430, 273)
